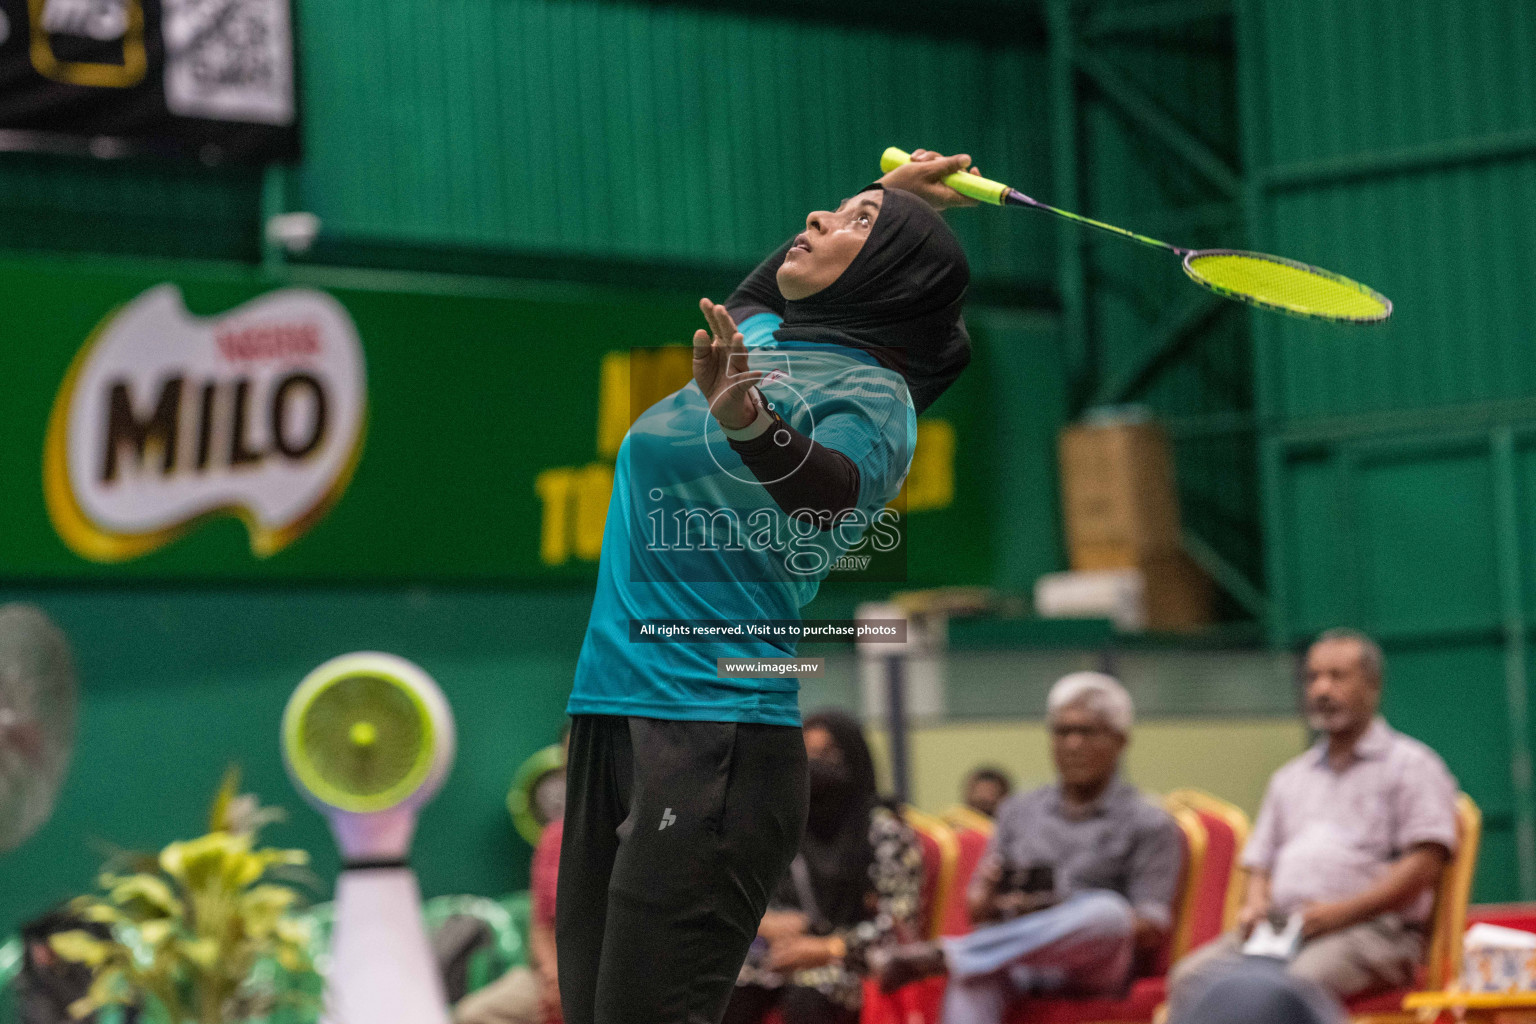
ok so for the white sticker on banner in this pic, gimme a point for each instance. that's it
(101, 20)
(166, 418)
(229, 60)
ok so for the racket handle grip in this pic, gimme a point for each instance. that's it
(972, 186)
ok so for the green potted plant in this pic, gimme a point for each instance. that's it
(191, 925)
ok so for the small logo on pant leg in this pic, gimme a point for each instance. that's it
(667, 818)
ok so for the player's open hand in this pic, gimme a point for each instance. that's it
(924, 176)
(720, 369)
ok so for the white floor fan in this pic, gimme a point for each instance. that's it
(37, 734)
(368, 739)
(37, 720)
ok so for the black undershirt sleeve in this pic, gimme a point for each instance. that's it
(759, 291)
(809, 481)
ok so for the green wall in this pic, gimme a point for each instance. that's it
(543, 130)
(638, 130)
(141, 207)
(1145, 133)
(1397, 144)
(177, 683)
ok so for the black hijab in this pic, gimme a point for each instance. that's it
(836, 846)
(899, 300)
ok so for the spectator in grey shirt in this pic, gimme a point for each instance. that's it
(1352, 836)
(1079, 876)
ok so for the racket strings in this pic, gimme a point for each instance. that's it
(1281, 284)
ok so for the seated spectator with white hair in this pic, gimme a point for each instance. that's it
(1080, 875)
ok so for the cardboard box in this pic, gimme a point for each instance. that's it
(1119, 501)
(1497, 959)
(1179, 595)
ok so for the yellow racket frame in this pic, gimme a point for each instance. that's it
(1347, 300)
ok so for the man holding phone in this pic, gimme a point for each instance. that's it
(1079, 878)
(1350, 840)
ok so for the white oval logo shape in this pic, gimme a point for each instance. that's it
(166, 419)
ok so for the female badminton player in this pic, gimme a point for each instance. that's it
(686, 785)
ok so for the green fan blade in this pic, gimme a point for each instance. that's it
(363, 742)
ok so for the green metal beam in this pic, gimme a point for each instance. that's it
(1071, 266)
(1272, 494)
(1175, 331)
(1345, 519)
(1160, 124)
(1455, 152)
(1252, 108)
(1252, 111)
(1169, 14)
(1216, 424)
(1227, 576)
(1026, 539)
(1438, 421)
(1516, 675)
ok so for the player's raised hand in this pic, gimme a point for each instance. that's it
(720, 368)
(924, 176)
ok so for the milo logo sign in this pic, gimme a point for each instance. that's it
(165, 419)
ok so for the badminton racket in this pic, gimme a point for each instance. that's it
(1268, 282)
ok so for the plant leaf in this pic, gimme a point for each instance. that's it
(218, 814)
(97, 912)
(144, 897)
(81, 947)
(204, 952)
(155, 933)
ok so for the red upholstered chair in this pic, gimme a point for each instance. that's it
(919, 1003)
(1149, 991)
(941, 858)
(1447, 926)
(1519, 916)
(1220, 895)
(972, 843)
(961, 817)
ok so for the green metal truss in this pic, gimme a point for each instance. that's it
(1134, 86)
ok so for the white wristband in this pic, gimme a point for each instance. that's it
(758, 426)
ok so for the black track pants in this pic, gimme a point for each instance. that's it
(676, 834)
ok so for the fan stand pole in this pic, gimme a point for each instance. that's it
(382, 967)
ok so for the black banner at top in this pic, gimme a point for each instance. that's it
(213, 80)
